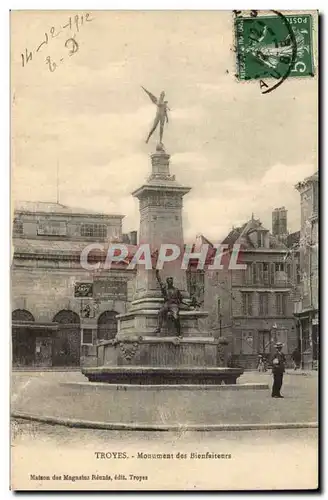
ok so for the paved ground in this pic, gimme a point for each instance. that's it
(42, 394)
(278, 459)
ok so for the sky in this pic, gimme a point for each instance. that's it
(86, 122)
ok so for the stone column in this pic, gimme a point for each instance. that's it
(160, 202)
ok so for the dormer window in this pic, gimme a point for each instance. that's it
(260, 239)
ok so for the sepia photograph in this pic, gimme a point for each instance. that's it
(164, 268)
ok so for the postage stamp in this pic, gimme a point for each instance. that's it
(276, 46)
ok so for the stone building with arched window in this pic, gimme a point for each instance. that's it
(52, 324)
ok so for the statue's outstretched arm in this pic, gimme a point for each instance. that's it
(159, 278)
(161, 284)
(151, 96)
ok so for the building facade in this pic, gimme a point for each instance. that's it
(60, 309)
(252, 307)
(307, 308)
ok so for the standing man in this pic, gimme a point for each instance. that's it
(278, 369)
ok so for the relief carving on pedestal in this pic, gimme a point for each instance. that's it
(128, 349)
(161, 200)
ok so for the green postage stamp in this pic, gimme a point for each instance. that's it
(275, 46)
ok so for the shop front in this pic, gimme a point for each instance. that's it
(309, 338)
(32, 343)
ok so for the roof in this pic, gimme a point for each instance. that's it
(233, 235)
(56, 208)
(66, 250)
(41, 246)
(241, 235)
(201, 240)
(312, 178)
(253, 225)
(275, 243)
(293, 239)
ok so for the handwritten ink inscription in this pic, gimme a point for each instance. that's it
(71, 45)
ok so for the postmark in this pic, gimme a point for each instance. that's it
(272, 48)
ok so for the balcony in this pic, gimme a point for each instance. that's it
(279, 280)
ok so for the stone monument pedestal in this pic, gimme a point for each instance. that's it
(139, 355)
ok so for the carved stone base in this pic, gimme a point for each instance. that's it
(160, 351)
(145, 322)
(163, 375)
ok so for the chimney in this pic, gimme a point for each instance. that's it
(279, 223)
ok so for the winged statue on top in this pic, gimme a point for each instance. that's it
(161, 114)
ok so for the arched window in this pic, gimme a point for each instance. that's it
(107, 325)
(67, 317)
(22, 315)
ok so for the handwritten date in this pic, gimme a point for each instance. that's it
(73, 23)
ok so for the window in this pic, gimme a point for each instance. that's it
(298, 274)
(94, 230)
(271, 274)
(265, 273)
(87, 336)
(263, 304)
(315, 198)
(107, 325)
(260, 273)
(247, 275)
(247, 303)
(52, 228)
(264, 342)
(281, 304)
(18, 227)
(254, 273)
(260, 239)
(279, 266)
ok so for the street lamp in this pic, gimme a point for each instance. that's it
(220, 317)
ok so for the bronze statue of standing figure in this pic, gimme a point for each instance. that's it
(161, 114)
(172, 302)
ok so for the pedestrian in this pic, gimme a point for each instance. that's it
(278, 369)
(296, 357)
(265, 363)
(260, 365)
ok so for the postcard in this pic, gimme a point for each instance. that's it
(164, 273)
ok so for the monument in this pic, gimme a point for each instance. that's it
(162, 338)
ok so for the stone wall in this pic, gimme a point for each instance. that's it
(46, 291)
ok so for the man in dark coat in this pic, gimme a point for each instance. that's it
(278, 369)
(172, 301)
